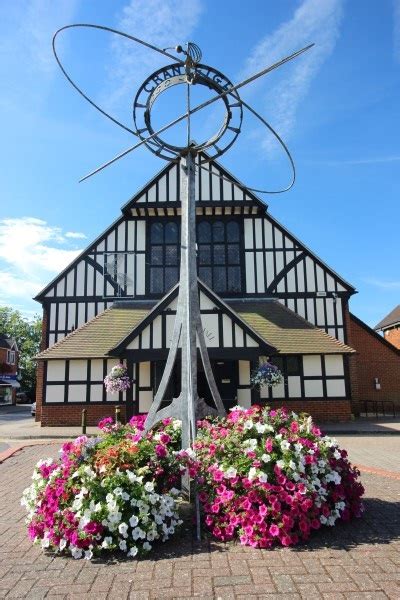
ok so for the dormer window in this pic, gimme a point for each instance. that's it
(10, 357)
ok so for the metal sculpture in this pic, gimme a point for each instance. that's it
(188, 331)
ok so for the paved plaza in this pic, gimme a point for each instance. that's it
(360, 560)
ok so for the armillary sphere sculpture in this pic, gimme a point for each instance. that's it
(188, 330)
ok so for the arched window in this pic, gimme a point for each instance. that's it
(218, 257)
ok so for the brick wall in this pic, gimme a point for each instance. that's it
(67, 414)
(393, 336)
(375, 358)
(320, 410)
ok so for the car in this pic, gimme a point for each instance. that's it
(33, 409)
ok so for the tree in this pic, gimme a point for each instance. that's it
(28, 334)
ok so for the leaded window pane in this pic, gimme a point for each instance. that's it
(232, 231)
(156, 280)
(156, 233)
(219, 254)
(233, 254)
(156, 255)
(171, 255)
(171, 277)
(204, 232)
(218, 231)
(205, 275)
(234, 279)
(204, 254)
(219, 275)
(171, 233)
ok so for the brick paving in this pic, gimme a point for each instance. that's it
(360, 560)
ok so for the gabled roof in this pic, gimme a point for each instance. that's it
(173, 293)
(374, 334)
(393, 318)
(8, 342)
(277, 329)
(286, 330)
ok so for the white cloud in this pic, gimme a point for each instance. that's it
(396, 29)
(31, 252)
(77, 235)
(161, 22)
(382, 284)
(313, 21)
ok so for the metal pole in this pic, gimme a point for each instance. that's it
(83, 420)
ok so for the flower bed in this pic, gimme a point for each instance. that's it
(264, 477)
(268, 477)
(112, 492)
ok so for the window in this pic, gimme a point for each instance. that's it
(10, 357)
(164, 256)
(218, 255)
(218, 258)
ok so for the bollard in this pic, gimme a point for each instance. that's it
(117, 414)
(84, 416)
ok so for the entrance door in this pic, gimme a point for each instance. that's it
(226, 378)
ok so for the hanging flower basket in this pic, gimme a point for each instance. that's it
(267, 374)
(117, 380)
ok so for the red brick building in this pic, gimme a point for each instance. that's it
(390, 327)
(8, 370)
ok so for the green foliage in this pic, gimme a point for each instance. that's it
(28, 334)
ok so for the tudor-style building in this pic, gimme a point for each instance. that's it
(262, 293)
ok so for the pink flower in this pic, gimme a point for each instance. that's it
(274, 530)
(294, 427)
(268, 445)
(161, 451)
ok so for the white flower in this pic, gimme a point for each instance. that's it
(133, 521)
(123, 529)
(266, 458)
(132, 551)
(248, 424)
(292, 465)
(230, 473)
(88, 554)
(285, 445)
(260, 427)
(252, 473)
(118, 491)
(123, 546)
(107, 542)
(136, 533)
(147, 546)
(62, 544)
(174, 492)
(149, 486)
(76, 552)
(280, 463)
(337, 454)
(263, 477)
(323, 520)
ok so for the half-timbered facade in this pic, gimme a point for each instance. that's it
(262, 293)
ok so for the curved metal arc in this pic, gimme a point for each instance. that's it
(110, 30)
(203, 105)
(285, 148)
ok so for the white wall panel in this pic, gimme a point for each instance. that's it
(77, 369)
(335, 388)
(145, 400)
(54, 393)
(244, 372)
(227, 331)
(144, 374)
(56, 370)
(294, 386)
(210, 328)
(313, 388)
(244, 398)
(96, 393)
(334, 364)
(70, 283)
(312, 365)
(96, 370)
(250, 279)
(76, 393)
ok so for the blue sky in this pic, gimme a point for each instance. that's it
(337, 108)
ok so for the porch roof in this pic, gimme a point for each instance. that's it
(277, 325)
